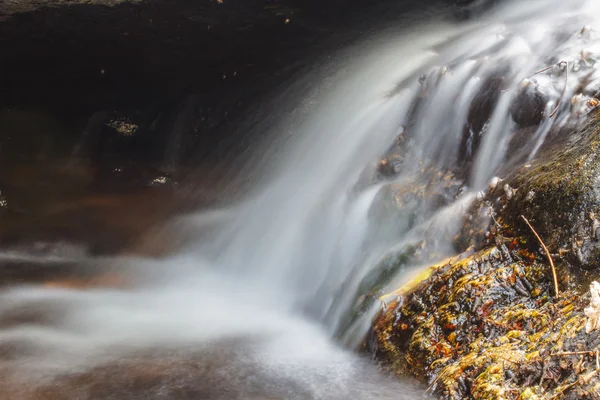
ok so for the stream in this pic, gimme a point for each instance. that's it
(259, 302)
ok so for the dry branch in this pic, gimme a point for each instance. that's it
(547, 254)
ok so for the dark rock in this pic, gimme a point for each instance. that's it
(558, 193)
(480, 112)
(529, 105)
(386, 168)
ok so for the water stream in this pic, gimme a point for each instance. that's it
(257, 306)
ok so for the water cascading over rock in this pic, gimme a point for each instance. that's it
(308, 254)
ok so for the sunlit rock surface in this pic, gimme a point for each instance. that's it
(490, 325)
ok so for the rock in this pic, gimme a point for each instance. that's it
(480, 112)
(402, 205)
(386, 168)
(558, 192)
(488, 327)
(529, 104)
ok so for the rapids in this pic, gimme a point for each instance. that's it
(256, 305)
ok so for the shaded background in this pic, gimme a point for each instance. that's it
(142, 60)
(100, 98)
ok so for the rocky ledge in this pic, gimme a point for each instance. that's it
(490, 323)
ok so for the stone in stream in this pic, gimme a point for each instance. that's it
(480, 112)
(529, 104)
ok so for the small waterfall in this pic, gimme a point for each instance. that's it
(280, 273)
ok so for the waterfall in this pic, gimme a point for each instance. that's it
(256, 301)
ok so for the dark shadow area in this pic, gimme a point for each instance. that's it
(99, 101)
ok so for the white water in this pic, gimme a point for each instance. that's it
(252, 306)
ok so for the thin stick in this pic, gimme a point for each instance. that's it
(563, 92)
(434, 382)
(563, 389)
(542, 70)
(509, 360)
(547, 254)
(571, 353)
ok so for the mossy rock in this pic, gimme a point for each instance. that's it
(488, 326)
(559, 192)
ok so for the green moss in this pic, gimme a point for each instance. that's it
(558, 193)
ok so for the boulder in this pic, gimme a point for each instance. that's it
(489, 324)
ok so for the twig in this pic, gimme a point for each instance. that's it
(542, 70)
(572, 353)
(563, 92)
(584, 380)
(495, 221)
(563, 389)
(509, 360)
(547, 254)
(434, 382)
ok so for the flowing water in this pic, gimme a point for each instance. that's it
(259, 304)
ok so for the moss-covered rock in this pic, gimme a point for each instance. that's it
(489, 325)
(559, 193)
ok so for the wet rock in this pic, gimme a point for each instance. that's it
(123, 126)
(3, 202)
(372, 287)
(386, 168)
(558, 192)
(404, 204)
(480, 112)
(476, 226)
(398, 205)
(484, 102)
(488, 327)
(529, 104)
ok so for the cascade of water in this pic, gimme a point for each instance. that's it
(305, 243)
